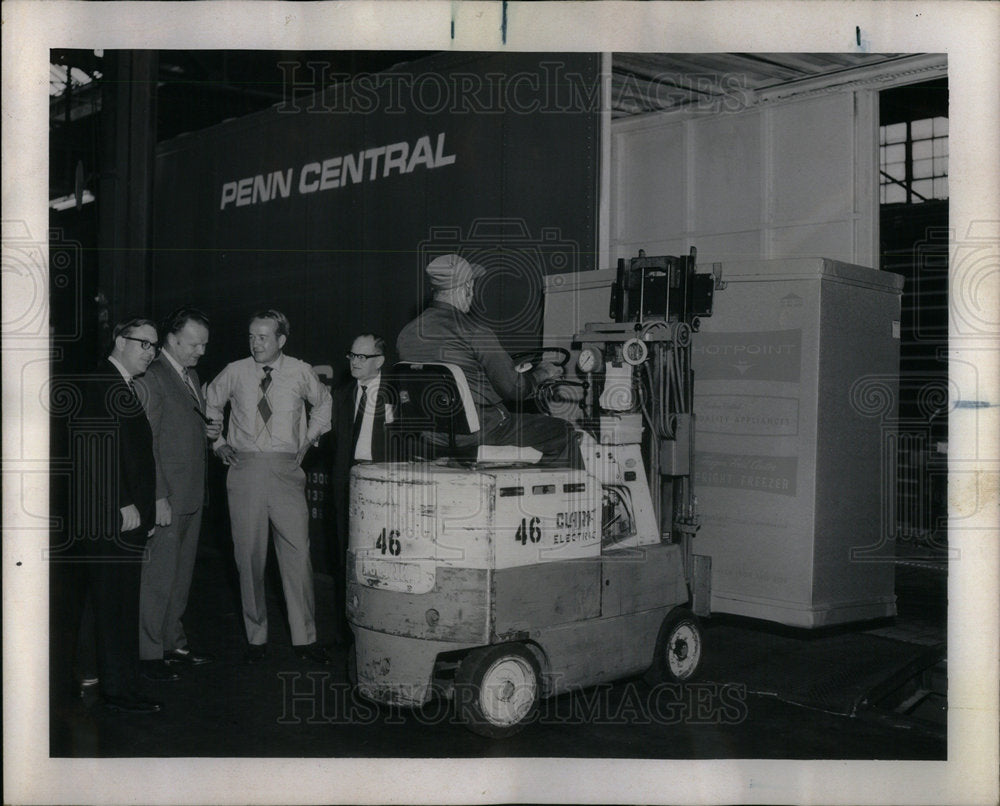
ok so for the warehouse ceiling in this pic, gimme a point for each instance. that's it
(197, 89)
(652, 82)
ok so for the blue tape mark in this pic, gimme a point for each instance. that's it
(453, 28)
(503, 24)
(972, 404)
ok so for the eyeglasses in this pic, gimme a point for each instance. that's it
(144, 343)
(361, 356)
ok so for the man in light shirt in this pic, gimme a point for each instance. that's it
(175, 408)
(360, 411)
(269, 433)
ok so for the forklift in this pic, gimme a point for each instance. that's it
(479, 576)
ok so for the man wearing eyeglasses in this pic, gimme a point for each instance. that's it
(115, 463)
(269, 434)
(445, 332)
(175, 408)
(360, 411)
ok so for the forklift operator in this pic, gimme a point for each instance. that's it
(446, 333)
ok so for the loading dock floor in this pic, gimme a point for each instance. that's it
(764, 692)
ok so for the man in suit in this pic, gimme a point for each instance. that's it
(359, 436)
(116, 466)
(175, 408)
(269, 433)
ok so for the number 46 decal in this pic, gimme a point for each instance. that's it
(390, 544)
(528, 531)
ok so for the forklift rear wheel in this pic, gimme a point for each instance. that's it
(497, 690)
(678, 649)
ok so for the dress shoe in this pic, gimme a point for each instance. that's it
(84, 685)
(132, 705)
(186, 657)
(158, 671)
(313, 652)
(255, 653)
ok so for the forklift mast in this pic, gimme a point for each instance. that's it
(640, 370)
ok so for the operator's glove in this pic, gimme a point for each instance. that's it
(546, 371)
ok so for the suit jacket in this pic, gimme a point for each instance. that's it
(115, 456)
(343, 446)
(343, 428)
(179, 443)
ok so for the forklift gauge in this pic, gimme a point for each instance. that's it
(588, 360)
(634, 352)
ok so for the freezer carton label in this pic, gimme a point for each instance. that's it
(764, 355)
(737, 471)
(747, 415)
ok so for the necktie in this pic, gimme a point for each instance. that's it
(359, 416)
(263, 406)
(190, 387)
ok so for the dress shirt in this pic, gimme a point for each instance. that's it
(443, 333)
(126, 375)
(293, 383)
(363, 449)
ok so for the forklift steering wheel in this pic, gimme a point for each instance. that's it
(561, 390)
(529, 359)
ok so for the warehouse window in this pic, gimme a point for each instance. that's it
(914, 235)
(913, 161)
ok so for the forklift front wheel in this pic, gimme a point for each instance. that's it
(678, 649)
(497, 690)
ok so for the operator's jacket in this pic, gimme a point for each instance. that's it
(442, 333)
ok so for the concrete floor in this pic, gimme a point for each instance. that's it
(763, 693)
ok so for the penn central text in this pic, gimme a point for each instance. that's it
(366, 165)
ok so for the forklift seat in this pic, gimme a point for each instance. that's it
(433, 408)
(434, 415)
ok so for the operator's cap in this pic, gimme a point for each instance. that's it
(450, 271)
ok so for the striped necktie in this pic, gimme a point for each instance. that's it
(190, 387)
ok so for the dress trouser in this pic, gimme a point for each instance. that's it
(166, 582)
(270, 488)
(113, 584)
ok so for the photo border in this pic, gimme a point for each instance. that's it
(966, 31)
